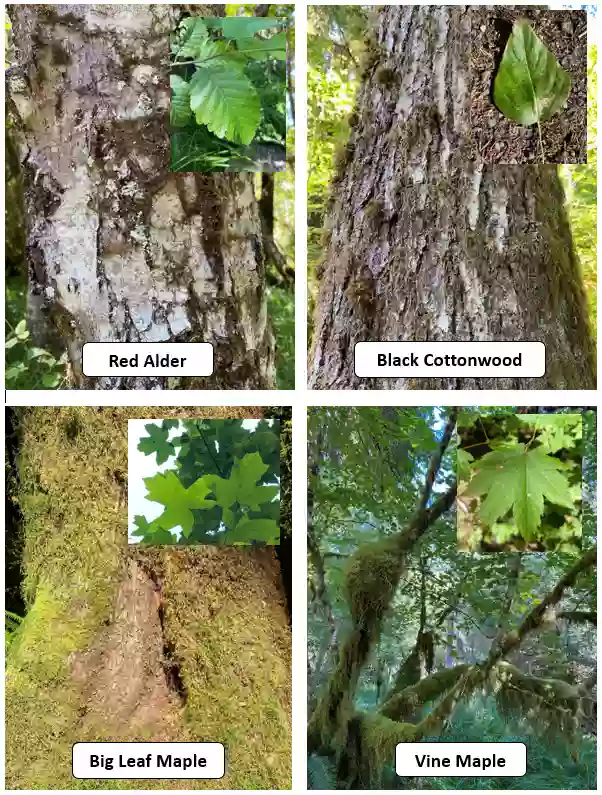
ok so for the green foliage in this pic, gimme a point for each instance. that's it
(223, 487)
(12, 622)
(281, 308)
(229, 79)
(580, 184)
(552, 763)
(517, 480)
(29, 367)
(367, 471)
(530, 85)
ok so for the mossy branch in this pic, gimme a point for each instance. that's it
(476, 676)
(402, 705)
(579, 616)
(372, 578)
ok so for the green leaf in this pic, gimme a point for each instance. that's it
(192, 33)
(224, 100)
(15, 371)
(530, 85)
(241, 487)
(249, 530)
(51, 380)
(260, 49)
(156, 442)
(245, 27)
(21, 330)
(166, 489)
(180, 113)
(555, 430)
(464, 460)
(143, 526)
(519, 479)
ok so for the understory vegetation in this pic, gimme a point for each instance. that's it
(411, 639)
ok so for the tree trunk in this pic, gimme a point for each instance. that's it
(428, 245)
(120, 249)
(134, 643)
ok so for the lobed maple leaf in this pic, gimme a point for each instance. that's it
(519, 479)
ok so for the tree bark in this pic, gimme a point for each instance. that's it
(428, 245)
(120, 249)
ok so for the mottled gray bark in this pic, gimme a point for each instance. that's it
(121, 250)
(427, 245)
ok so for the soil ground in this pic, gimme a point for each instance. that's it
(500, 140)
(128, 644)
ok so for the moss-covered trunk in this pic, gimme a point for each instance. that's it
(134, 644)
(428, 245)
(119, 248)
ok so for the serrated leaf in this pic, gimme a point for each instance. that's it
(519, 479)
(530, 85)
(152, 532)
(555, 430)
(226, 102)
(260, 49)
(179, 113)
(212, 52)
(156, 442)
(192, 32)
(166, 489)
(241, 487)
(142, 525)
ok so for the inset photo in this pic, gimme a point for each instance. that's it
(182, 637)
(529, 77)
(204, 482)
(231, 97)
(519, 482)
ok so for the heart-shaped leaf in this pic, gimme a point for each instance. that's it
(530, 85)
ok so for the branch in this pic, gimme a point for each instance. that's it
(401, 705)
(579, 616)
(435, 461)
(478, 674)
(535, 616)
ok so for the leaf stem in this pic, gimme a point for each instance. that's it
(543, 157)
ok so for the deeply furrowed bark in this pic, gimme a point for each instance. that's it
(120, 249)
(427, 245)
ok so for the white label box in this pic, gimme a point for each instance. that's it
(461, 759)
(450, 359)
(149, 760)
(101, 359)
